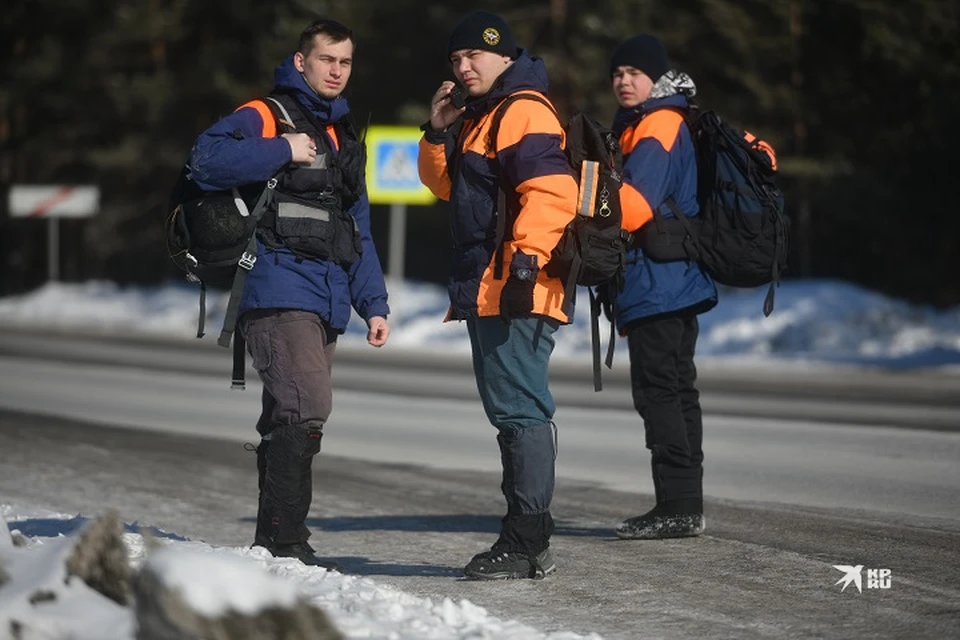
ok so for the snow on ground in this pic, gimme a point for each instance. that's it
(815, 321)
(216, 579)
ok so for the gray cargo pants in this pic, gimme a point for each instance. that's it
(292, 352)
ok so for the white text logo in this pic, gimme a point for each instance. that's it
(876, 578)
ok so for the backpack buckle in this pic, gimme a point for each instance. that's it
(247, 260)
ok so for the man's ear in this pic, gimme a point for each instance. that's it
(298, 61)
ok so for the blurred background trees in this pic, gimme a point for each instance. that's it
(856, 95)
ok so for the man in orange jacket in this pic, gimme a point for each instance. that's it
(511, 194)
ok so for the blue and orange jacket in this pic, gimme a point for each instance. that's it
(527, 159)
(243, 148)
(659, 162)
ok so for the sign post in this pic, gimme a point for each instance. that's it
(53, 249)
(392, 178)
(398, 240)
(53, 202)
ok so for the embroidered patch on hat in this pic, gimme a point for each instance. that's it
(491, 36)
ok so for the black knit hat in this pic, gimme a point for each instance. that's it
(643, 52)
(483, 30)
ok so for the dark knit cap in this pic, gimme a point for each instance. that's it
(643, 52)
(483, 30)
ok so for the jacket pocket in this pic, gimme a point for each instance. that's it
(317, 229)
(306, 228)
(346, 240)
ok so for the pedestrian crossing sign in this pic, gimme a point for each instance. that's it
(392, 176)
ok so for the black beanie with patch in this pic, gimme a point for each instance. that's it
(485, 31)
(643, 52)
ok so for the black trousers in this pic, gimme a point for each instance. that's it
(663, 380)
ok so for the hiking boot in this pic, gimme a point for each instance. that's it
(305, 554)
(505, 565)
(654, 525)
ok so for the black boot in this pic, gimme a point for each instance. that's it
(262, 463)
(679, 509)
(507, 565)
(522, 550)
(285, 468)
(669, 519)
(303, 552)
(656, 524)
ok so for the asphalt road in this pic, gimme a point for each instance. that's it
(760, 570)
(901, 472)
(912, 399)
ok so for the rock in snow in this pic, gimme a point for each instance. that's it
(175, 594)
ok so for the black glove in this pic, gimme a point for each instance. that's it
(516, 299)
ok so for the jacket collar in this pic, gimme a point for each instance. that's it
(625, 118)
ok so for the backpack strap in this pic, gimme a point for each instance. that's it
(595, 311)
(283, 117)
(691, 232)
(502, 211)
(602, 301)
(246, 262)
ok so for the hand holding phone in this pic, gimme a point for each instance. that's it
(457, 97)
(444, 109)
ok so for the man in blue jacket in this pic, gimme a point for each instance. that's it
(315, 259)
(658, 306)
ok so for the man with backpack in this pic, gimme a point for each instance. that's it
(511, 195)
(315, 258)
(658, 306)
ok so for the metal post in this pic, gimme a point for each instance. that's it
(53, 249)
(398, 240)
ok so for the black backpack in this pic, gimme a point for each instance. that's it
(208, 231)
(740, 237)
(211, 235)
(592, 250)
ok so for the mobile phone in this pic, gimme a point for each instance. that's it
(457, 98)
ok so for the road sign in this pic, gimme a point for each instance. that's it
(53, 201)
(392, 176)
